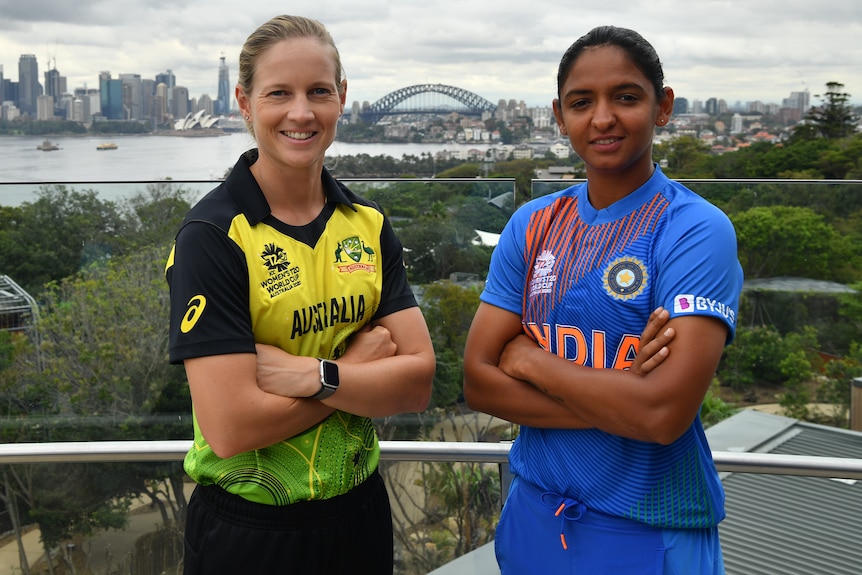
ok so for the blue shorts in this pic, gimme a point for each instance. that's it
(544, 533)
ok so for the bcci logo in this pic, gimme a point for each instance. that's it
(625, 278)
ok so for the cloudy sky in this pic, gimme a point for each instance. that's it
(737, 50)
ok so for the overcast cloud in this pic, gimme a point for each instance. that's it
(740, 50)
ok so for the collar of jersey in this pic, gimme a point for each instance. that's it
(249, 197)
(623, 207)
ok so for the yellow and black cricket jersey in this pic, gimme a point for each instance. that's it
(238, 277)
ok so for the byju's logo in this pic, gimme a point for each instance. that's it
(683, 303)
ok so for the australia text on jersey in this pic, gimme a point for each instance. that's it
(327, 313)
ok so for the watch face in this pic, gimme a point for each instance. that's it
(330, 372)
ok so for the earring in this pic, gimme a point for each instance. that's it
(246, 118)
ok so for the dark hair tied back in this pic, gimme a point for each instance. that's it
(641, 53)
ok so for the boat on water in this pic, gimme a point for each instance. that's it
(107, 146)
(47, 146)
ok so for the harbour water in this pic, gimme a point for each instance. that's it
(147, 158)
(144, 158)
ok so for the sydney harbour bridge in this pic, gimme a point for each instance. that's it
(426, 99)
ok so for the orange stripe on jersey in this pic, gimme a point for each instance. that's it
(576, 246)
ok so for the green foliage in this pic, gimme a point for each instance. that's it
(360, 132)
(834, 387)
(29, 127)
(116, 127)
(425, 165)
(6, 350)
(152, 217)
(65, 230)
(69, 500)
(449, 310)
(98, 371)
(523, 171)
(104, 335)
(714, 409)
(756, 355)
(465, 170)
(52, 237)
(685, 155)
(790, 241)
(436, 222)
(797, 370)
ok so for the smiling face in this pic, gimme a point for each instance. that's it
(609, 109)
(294, 103)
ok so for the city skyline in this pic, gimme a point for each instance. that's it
(738, 52)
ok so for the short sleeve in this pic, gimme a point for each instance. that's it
(700, 270)
(209, 292)
(504, 287)
(396, 294)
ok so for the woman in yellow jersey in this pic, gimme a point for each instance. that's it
(291, 312)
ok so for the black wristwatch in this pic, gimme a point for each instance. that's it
(328, 379)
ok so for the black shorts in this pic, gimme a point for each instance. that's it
(350, 533)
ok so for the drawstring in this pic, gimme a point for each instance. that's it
(566, 509)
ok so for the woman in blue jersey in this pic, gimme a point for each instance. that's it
(613, 474)
(291, 313)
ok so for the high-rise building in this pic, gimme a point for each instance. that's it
(798, 101)
(148, 92)
(111, 97)
(711, 107)
(181, 106)
(222, 104)
(44, 107)
(170, 81)
(680, 105)
(161, 104)
(736, 124)
(2, 86)
(29, 87)
(90, 102)
(10, 92)
(206, 104)
(55, 87)
(55, 84)
(133, 96)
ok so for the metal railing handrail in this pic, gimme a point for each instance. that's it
(175, 450)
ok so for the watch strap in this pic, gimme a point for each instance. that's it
(327, 388)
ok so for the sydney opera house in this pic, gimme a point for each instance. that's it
(198, 121)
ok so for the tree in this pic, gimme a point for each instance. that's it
(103, 375)
(449, 310)
(686, 157)
(154, 216)
(791, 241)
(51, 238)
(833, 119)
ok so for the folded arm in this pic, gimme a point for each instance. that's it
(235, 415)
(490, 389)
(657, 407)
(386, 370)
